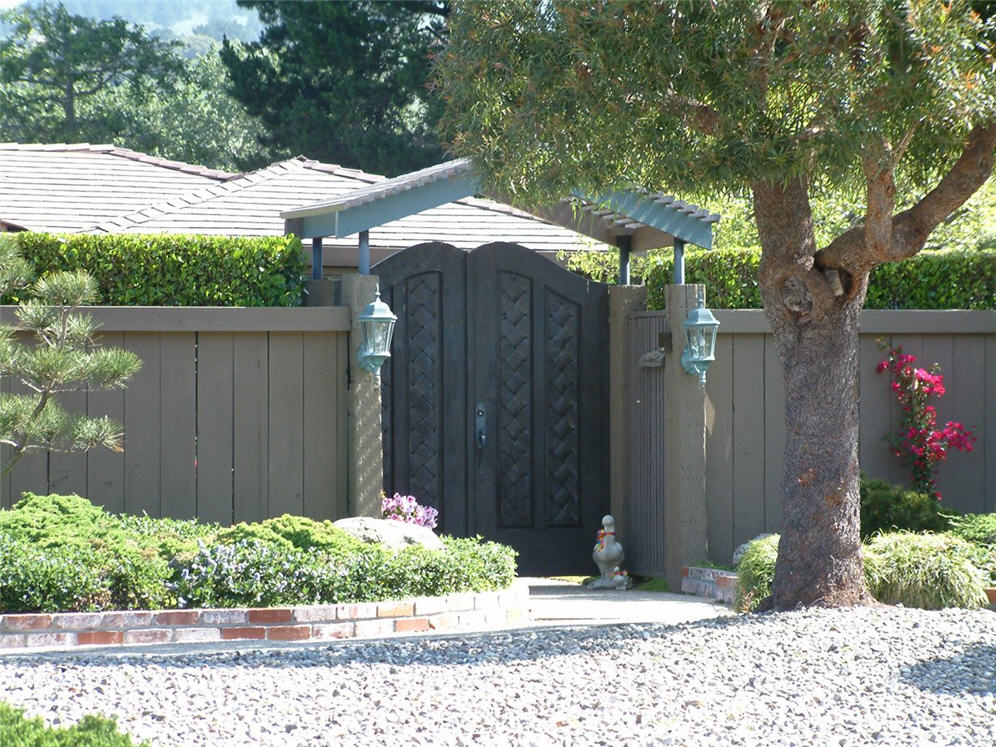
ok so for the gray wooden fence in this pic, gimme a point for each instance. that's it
(236, 415)
(746, 430)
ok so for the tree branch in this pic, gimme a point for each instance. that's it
(858, 249)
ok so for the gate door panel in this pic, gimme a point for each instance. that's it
(496, 398)
(539, 353)
(424, 382)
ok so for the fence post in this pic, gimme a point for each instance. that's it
(365, 463)
(685, 444)
(623, 299)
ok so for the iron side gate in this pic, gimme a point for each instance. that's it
(496, 398)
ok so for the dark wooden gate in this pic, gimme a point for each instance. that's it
(496, 398)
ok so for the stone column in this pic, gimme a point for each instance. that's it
(685, 444)
(623, 299)
(365, 446)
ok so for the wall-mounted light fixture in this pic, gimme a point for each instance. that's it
(700, 334)
(377, 322)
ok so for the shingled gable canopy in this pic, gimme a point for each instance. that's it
(632, 220)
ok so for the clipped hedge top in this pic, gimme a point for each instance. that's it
(175, 270)
(945, 279)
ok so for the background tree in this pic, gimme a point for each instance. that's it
(64, 358)
(53, 63)
(344, 82)
(778, 100)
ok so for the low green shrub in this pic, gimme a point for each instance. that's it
(50, 579)
(62, 553)
(253, 572)
(980, 531)
(16, 730)
(755, 572)
(886, 507)
(944, 279)
(174, 270)
(298, 532)
(929, 571)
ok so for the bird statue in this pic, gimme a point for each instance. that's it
(608, 556)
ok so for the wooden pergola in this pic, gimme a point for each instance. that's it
(632, 220)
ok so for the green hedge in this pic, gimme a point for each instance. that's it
(174, 270)
(950, 279)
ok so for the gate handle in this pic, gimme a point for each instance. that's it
(480, 422)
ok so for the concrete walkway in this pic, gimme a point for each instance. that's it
(565, 603)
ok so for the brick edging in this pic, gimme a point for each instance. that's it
(305, 623)
(711, 583)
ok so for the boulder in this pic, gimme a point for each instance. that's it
(395, 535)
(739, 552)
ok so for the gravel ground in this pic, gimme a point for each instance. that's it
(815, 677)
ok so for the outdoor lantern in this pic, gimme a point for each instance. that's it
(377, 322)
(700, 333)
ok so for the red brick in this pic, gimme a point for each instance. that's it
(27, 622)
(684, 572)
(99, 637)
(395, 609)
(270, 615)
(78, 620)
(411, 624)
(231, 634)
(289, 632)
(361, 611)
(196, 635)
(12, 640)
(50, 639)
(333, 630)
(120, 620)
(446, 620)
(315, 613)
(224, 617)
(176, 617)
(145, 635)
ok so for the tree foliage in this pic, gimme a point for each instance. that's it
(53, 64)
(779, 100)
(344, 82)
(64, 358)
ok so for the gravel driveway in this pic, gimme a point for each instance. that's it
(881, 675)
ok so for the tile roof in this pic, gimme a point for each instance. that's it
(67, 188)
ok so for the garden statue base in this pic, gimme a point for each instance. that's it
(608, 556)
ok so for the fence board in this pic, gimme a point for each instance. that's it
(67, 470)
(178, 403)
(322, 430)
(987, 447)
(142, 402)
(719, 451)
(964, 380)
(774, 436)
(214, 426)
(748, 436)
(105, 475)
(250, 419)
(644, 519)
(286, 473)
